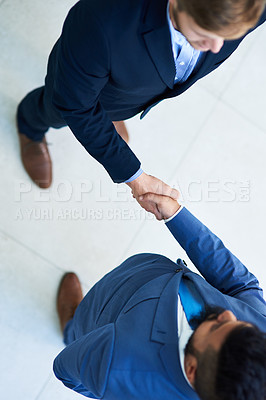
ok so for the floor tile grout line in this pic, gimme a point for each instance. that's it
(44, 386)
(242, 115)
(219, 98)
(51, 263)
(226, 102)
(31, 250)
(192, 142)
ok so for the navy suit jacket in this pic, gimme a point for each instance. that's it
(123, 341)
(113, 60)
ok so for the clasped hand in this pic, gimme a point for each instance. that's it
(155, 196)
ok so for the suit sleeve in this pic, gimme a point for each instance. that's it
(84, 365)
(81, 73)
(214, 261)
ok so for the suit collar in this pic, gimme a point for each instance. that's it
(156, 35)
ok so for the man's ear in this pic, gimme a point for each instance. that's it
(191, 365)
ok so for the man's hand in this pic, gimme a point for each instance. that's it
(149, 184)
(165, 205)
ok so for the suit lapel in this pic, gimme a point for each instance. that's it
(156, 35)
(164, 330)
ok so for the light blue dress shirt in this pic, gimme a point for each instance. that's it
(135, 176)
(186, 59)
(185, 56)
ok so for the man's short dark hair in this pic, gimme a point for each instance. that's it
(237, 371)
(216, 15)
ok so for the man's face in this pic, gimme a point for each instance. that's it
(214, 330)
(211, 329)
(198, 37)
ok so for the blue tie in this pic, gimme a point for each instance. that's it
(190, 299)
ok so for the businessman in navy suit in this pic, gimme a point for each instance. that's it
(152, 329)
(117, 58)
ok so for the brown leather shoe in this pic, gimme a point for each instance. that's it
(69, 296)
(36, 160)
(121, 129)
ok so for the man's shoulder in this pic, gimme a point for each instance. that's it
(114, 17)
(246, 306)
(111, 8)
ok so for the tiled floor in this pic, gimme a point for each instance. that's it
(210, 143)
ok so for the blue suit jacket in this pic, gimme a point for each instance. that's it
(113, 60)
(124, 342)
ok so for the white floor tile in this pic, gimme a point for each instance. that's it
(30, 333)
(86, 223)
(71, 229)
(165, 134)
(55, 390)
(222, 179)
(154, 237)
(28, 30)
(220, 79)
(246, 92)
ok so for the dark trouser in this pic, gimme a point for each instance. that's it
(36, 114)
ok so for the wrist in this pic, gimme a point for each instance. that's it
(173, 214)
(137, 181)
(135, 176)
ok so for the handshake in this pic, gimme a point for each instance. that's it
(155, 196)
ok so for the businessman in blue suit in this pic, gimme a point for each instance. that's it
(117, 58)
(153, 329)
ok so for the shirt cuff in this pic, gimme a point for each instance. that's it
(135, 176)
(173, 216)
